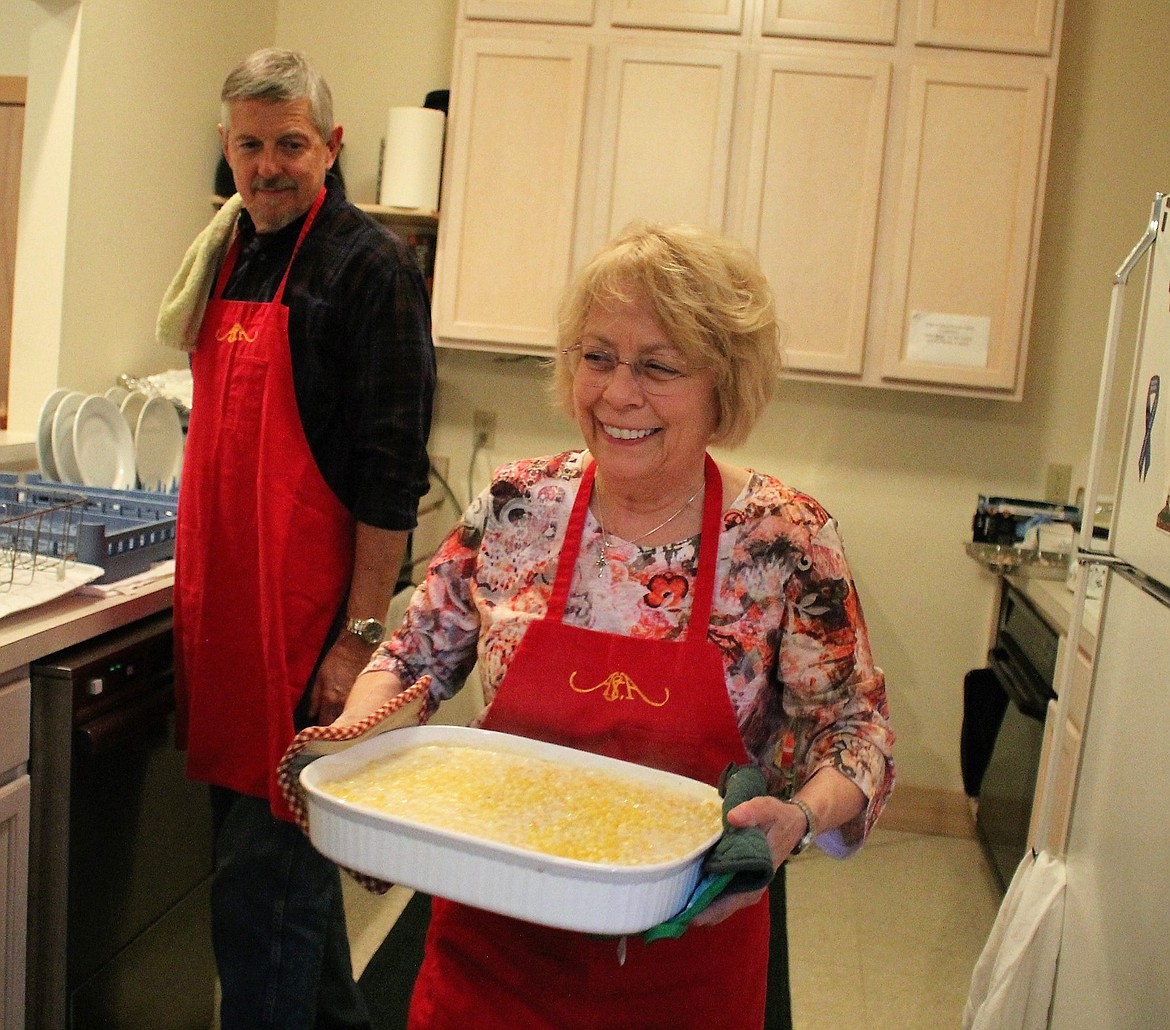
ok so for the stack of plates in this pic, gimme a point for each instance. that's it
(118, 440)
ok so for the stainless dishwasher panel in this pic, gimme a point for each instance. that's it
(120, 851)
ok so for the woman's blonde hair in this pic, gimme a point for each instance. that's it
(710, 296)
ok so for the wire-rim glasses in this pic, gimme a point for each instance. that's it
(653, 373)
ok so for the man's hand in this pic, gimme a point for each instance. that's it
(341, 666)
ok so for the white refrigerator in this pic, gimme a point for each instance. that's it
(1113, 966)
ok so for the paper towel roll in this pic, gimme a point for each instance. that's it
(413, 158)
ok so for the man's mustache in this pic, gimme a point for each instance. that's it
(279, 183)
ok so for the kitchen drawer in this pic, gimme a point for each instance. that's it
(15, 706)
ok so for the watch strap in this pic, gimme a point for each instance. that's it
(810, 824)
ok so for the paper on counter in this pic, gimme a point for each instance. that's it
(131, 584)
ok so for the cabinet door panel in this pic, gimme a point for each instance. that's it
(965, 225)
(564, 12)
(14, 829)
(871, 21)
(509, 210)
(701, 15)
(814, 178)
(666, 133)
(1016, 26)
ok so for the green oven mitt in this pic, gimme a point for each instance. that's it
(739, 862)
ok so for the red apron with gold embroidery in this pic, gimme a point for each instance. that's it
(656, 702)
(263, 552)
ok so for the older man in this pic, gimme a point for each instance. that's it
(306, 457)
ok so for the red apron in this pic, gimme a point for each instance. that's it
(254, 601)
(657, 702)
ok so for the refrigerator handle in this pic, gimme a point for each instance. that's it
(1156, 589)
(1108, 363)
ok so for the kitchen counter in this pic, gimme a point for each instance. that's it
(17, 450)
(33, 633)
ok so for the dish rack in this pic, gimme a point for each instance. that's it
(46, 525)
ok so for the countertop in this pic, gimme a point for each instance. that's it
(17, 450)
(33, 633)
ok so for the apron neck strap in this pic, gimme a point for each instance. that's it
(233, 253)
(708, 556)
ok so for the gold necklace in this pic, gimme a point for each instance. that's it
(602, 559)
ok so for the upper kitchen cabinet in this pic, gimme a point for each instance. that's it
(868, 21)
(659, 158)
(812, 199)
(700, 15)
(886, 161)
(965, 221)
(564, 12)
(506, 236)
(1013, 26)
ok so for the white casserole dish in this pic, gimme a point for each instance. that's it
(546, 889)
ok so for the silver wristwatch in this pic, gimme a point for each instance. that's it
(371, 631)
(810, 825)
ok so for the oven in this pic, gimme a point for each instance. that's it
(120, 851)
(1021, 668)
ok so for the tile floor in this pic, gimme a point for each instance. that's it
(885, 941)
(888, 938)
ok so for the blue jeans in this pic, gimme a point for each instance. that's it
(278, 925)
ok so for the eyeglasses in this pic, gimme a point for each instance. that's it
(654, 376)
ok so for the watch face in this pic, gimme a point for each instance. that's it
(372, 632)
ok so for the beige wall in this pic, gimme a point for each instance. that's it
(400, 51)
(901, 471)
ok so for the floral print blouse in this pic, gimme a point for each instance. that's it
(785, 617)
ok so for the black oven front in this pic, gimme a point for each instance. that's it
(1022, 663)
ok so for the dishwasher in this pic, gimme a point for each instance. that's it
(120, 852)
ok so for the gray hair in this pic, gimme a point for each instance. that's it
(278, 76)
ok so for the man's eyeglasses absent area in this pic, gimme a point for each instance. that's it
(654, 374)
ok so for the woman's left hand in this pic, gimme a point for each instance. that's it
(783, 825)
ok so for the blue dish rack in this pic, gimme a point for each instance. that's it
(122, 531)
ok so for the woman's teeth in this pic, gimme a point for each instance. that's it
(627, 434)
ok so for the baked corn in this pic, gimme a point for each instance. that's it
(588, 814)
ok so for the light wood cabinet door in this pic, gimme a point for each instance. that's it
(1014, 26)
(965, 225)
(14, 829)
(665, 137)
(510, 188)
(1061, 747)
(697, 15)
(814, 178)
(867, 21)
(563, 12)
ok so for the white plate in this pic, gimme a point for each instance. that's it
(116, 395)
(132, 405)
(102, 445)
(573, 895)
(45, 433)
(64, 457)
(158, 440)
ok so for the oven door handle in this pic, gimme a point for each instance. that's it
(1028, 695)
(120, 727)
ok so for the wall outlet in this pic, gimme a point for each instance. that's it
(483, 429)
(1058, 483)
